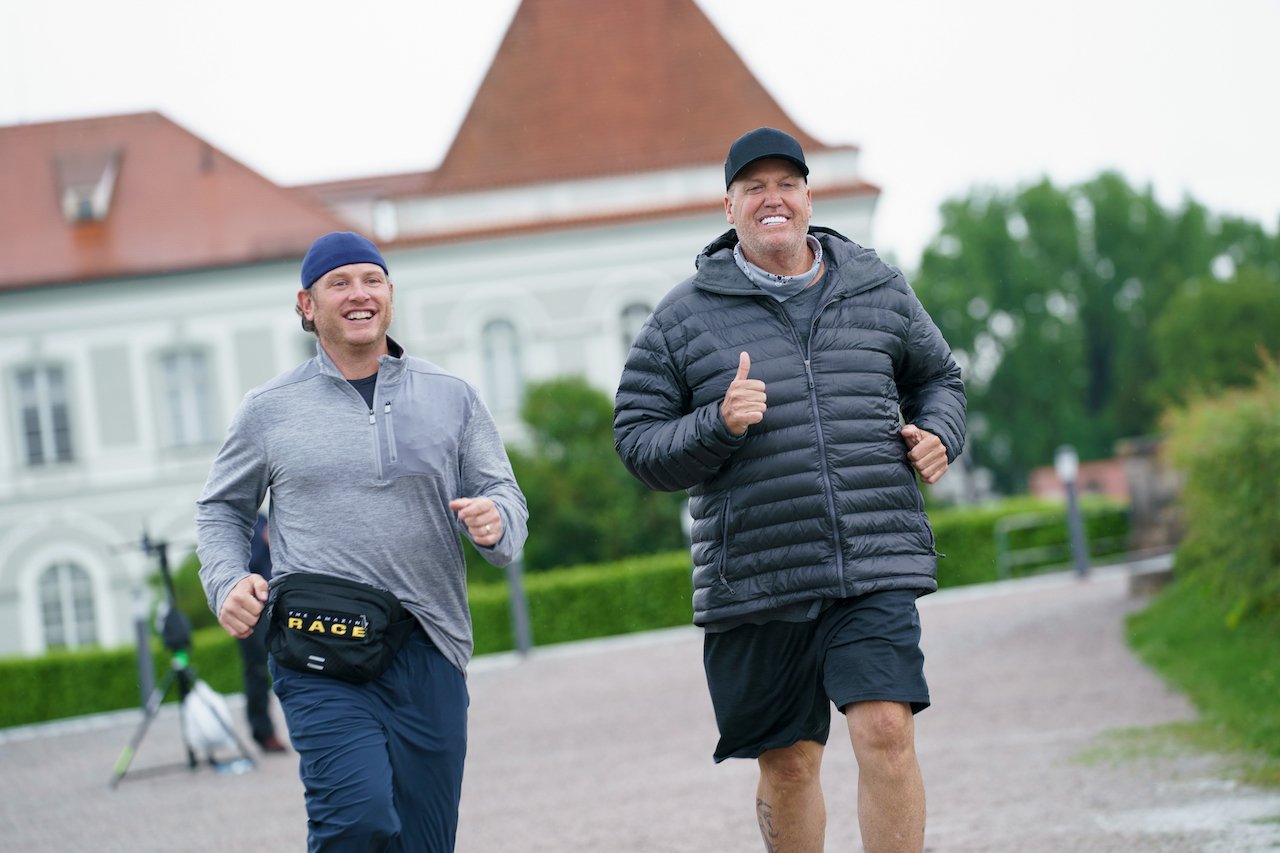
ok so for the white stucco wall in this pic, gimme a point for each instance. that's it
(563, 291)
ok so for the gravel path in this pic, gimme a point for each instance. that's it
(605, 746)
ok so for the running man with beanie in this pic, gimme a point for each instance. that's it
(376, 464)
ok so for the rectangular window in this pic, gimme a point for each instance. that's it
(186, 395)
(45, 415)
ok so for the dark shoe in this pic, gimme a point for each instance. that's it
(271, 743)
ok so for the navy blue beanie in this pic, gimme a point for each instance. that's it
(338, 249)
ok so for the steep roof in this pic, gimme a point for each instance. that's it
(581, 88)
(136, 194)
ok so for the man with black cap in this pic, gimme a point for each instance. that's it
(796, 387)
(376, 463)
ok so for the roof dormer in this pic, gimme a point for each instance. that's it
(86, 181)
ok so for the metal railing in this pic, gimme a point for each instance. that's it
(1045, 557)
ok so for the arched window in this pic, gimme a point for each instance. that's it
(66, 607)
(630, 321)
(503, 377)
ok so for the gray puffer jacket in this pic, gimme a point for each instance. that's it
(818, 500)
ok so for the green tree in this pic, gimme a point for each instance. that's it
(1212, 336)
(583, 505)
(1048, 296)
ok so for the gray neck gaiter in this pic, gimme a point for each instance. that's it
(780, 287)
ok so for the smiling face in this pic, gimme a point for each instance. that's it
(769, 205)
(351, 309)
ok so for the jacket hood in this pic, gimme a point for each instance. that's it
(862, 268)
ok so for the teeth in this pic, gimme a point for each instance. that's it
(770, 220)
(359, 315)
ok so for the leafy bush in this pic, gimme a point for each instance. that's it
(190, 594)
(583, 504)
(1214, 631)
(1229, 449)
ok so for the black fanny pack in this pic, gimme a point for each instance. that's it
(336, 627)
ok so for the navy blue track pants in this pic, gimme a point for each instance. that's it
(381, 762)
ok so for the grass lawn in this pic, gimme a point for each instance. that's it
(1232, 674)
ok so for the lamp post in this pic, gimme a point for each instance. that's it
(1067, 464)
(520, 626)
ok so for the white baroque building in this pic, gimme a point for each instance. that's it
(147, 280)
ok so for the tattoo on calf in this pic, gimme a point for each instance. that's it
(764, 815)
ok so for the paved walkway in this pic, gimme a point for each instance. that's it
(605, 746)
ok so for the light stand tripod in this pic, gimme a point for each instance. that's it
(175, 632)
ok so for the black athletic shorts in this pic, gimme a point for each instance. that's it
(771, 684)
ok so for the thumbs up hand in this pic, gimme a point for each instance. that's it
(744, 402)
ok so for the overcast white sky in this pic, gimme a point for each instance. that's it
(941, 96)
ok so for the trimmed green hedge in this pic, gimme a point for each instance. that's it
(69, 684)
(566, 604)
(967, 536)
(639, 594)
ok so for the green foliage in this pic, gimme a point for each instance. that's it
(967, 536)
(583, 505)
(1229, 449)
(72, 683)
(634, 594)
(1231, 673)
(1048, 297)
(190, 594)
(1212, 334)
(62, 684)
(638, 594)
(1214, 632)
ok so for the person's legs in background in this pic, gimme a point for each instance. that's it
(257, 691)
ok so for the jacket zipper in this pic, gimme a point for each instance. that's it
(724, 546)
(832, 514)
(377, 448)
(806, 356)
(391, 431)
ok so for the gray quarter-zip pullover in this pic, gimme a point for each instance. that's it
(362, 493)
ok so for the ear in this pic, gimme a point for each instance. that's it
(306, 306)
(728, 207)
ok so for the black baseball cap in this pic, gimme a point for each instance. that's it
(759, 144)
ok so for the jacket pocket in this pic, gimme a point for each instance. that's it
(722, 561)
(930, 542)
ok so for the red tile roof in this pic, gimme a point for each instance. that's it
(177, 203)
(577, 89)
(581, 88)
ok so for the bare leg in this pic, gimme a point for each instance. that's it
(890, 788)
(789, 806)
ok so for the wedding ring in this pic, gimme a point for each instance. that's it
(488, 527)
